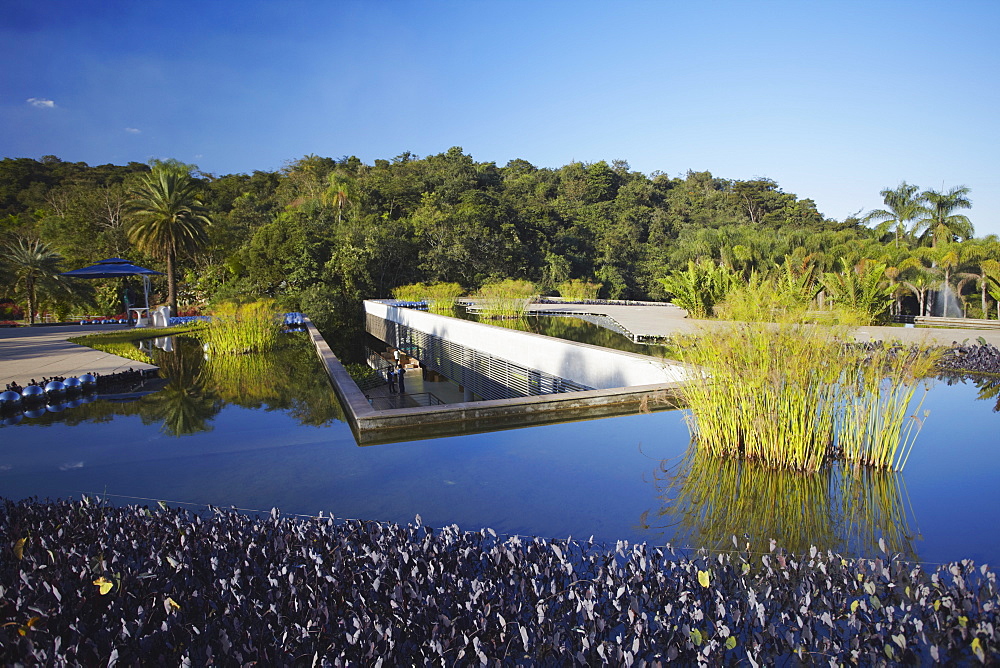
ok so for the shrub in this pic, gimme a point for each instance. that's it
(508, 298)
(440, 297)
(700, 287)
(244, 328)
(579, 290)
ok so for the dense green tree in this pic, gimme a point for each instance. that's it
(328, 232)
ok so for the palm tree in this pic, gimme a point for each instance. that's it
(986, 277)
(984, 258)
(904, 205)
(34, 268)
(861, 287)
(941, 223)
(167, 219)
(340, 193)
(187, 404)
(920, 284)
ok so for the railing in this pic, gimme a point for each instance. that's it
(936, 321)
(487, 376)
(382, 367)
(404, 401)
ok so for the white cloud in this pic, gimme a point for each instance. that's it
(41, 103)
(133, 131)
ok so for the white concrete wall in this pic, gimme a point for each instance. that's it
(593, 366)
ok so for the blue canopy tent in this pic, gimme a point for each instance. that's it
(115, 267)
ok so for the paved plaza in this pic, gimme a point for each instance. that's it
(43, 351)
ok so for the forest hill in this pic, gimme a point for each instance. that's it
(322, 233)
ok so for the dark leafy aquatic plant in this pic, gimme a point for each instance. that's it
(978, 358)
(83, 583)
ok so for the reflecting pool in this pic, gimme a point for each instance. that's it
(257, 433)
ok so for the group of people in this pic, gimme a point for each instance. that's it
(396, 373)
(396, 378)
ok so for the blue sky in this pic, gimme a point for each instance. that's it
(833, 100)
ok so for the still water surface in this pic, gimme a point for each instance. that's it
(262, 433)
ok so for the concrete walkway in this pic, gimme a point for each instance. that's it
(656, 321)
(34, 352)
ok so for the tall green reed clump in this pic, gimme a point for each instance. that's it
(506, 299)
(440, 297)
(243, 328)
(878, 422)
(780, 390)
(415, 292)
(579, 290)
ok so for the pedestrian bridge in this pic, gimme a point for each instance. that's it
(518, 378)
(528, 364)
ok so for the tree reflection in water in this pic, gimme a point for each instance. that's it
(706, 501)
(288, 379)
(188, 403)
(988, 386)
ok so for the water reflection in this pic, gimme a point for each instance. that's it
(288, 379)
(192, 389)
(988, 386)
(189, 402)
(707, 500)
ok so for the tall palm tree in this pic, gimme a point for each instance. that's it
(340, 193)
(941, 221)
(167, 219)
(985, 278)
(904, 205)
(983, 257)
(34, 268)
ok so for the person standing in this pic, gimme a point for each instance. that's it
(400, 375)
(392, 381)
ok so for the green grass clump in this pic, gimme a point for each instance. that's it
(579, 290)
(243, 328)
(440, 297)
(794, 395)
(505, 299)
(415, 292)
(137, 334)
(122, 343)
(124, 349)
